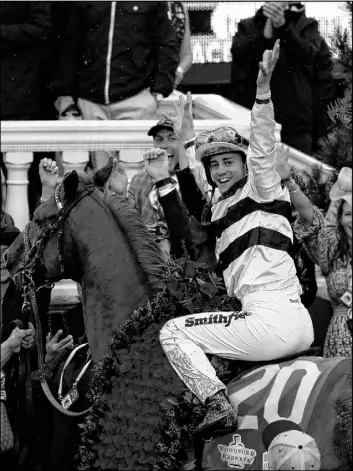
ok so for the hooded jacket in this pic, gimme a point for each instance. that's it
(25, 28)
(111, 51)
(302, 83)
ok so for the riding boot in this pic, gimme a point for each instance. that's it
(220, 414)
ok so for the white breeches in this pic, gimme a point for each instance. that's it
(271, 325)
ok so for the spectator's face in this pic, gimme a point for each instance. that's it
(226, 170)
(346, 219)
(167, 140)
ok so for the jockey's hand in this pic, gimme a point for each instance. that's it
(14, 342)
(54, 346)
(156, 163)
(283, 168)
(48, 173)
(267, 66)
(118, 179)
(183, 122)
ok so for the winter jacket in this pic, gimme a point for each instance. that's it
(25, 27)
(111, 51)
(301, 83)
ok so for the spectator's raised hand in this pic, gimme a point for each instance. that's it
(183, 122)
(48, 173)
(267, 66)
(283, 168)
(275, 12)
(156, 163)
(54, 345)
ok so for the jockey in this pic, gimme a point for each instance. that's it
(251, 221)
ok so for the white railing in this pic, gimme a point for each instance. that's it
(75, 139)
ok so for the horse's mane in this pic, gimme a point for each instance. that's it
(140, 240)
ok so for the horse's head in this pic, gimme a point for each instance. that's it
(93, 237)
(45, 245)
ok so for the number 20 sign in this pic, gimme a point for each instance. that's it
(271, 405)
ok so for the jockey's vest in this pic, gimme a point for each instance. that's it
(304, 391)
(253, 241)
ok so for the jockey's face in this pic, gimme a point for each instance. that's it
(226, 170)
(167, 140)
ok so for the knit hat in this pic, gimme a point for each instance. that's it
(289, 447)
(163, 123)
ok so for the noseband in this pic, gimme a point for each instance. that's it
(33, 259)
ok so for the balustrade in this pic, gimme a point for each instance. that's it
(75, 139)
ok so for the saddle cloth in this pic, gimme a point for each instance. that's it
(303, 390)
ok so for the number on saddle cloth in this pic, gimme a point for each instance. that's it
(300, 390)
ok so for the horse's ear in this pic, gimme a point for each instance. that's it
(70, 183)
(101, 176)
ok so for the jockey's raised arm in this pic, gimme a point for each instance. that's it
(263, 180)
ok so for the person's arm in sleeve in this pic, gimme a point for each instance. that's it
(264, 182)
(185, 53)
(317, 234)
(247, 45)
(191, 194)
(33, 30)
(177, 220)
(65, 81)
(166, 51)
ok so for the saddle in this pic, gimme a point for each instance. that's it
(238, 368)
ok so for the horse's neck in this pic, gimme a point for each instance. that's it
(112, 285)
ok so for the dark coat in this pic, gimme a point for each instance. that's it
(25, 27)
(140, 51)
(301, 84)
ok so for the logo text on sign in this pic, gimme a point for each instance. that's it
(236, 454)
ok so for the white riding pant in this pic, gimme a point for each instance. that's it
(271, 325)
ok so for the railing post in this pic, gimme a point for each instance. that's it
(74, 160)
(17, 164)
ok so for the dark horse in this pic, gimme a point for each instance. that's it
(143, 416)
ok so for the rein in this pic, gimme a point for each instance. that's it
(32, 256)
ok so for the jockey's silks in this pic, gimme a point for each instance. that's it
(253, 227)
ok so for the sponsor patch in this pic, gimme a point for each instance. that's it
(212, 318)
(236, 455)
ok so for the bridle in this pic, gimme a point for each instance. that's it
(25, 278)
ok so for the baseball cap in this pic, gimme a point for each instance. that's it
(163, 123)
(289, 447)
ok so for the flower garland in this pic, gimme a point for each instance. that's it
(144, 418)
